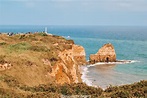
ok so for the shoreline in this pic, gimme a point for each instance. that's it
(86, 79)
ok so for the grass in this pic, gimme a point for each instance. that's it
(135, 90)
(2, 59)
(19, 46)
(39, 48)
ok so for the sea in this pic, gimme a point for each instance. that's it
(130, 43)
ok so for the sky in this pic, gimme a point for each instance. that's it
(73, 12)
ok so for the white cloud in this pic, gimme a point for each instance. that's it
(106, 5)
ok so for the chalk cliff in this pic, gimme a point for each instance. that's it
(105, 54)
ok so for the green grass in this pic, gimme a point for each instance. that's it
(19, 46)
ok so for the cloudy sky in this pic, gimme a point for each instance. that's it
(73, 12)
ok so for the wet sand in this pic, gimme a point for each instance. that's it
(105, 74)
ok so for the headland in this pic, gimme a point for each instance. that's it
(44, 65)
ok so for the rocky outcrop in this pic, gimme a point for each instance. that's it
(5, 66)
(105, 54)
(66, 70)
(79, 54)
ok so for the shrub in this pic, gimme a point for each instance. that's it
(111, 89)
(139, 93)
(22, 36)
(120, 94)
(58, 37)
(11, 81)
(69, 41)
(65, 90)
(42, 34)
(3, 43)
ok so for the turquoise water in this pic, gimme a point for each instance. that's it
(130, 44)
(116, 74)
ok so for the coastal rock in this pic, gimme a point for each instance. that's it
(79, 54)
(66, 70)
(105, 54)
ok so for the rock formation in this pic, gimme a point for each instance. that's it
(5, 66)
(105, 54)
(66, 70)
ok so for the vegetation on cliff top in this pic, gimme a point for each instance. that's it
(26, 51)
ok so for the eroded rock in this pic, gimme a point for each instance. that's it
(5, 66)
(105, 54)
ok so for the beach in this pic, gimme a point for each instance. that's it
(103, 75)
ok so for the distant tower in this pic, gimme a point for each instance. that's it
(46, 30)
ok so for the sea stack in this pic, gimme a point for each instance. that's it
(105, 54)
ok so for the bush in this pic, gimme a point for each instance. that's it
(65, 90)
(3, 43)
(139, 93)
(11, 81)
(22, 36)
(120, 94)
(132, 90)
(70, 41)
(111, 89)
(42, 34)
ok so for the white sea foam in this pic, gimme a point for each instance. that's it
(84, 77)
(118, 62)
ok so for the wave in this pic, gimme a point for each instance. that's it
(84, 77)
(117, 62)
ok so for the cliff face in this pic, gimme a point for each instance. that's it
(66, 70)
(105, 54)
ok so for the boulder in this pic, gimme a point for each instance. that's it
(105, 54)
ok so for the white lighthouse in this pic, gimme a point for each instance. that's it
(46, 30)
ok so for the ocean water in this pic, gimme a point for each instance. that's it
(130, 43)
